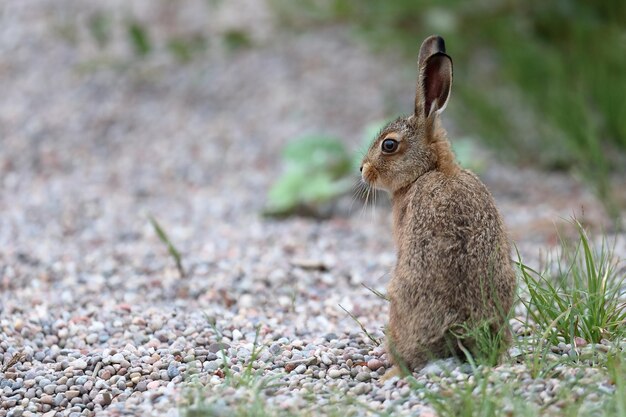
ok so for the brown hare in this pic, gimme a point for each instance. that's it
(453, 267)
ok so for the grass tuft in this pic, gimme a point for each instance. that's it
(486, 346)
(583, 299)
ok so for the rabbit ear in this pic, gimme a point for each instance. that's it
(430, 46)
(434, 84)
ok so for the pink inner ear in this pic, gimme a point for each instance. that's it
(436, 82)
(432, 88)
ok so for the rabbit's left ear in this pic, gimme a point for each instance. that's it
(434, 85)
(430, 46)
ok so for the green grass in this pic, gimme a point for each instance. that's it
(477, 398)
(582, 299)
(487, 347)
(253, 402)
(483, 395)
(252, 382)
(171, 249)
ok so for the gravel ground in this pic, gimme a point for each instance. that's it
(94, 317)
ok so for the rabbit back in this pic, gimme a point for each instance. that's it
(453, 263)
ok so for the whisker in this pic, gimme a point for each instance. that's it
(366, 190)
(364, 198)
(371, 206)
(367, 198)
(375, 204)
(357, 191)
(359, 188)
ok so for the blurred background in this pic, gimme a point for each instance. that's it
(224, 110)
(541, 83)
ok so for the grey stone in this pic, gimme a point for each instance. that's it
(218, 347)
(363, 376)
(172, 370)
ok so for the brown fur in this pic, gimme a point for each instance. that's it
(453, 263)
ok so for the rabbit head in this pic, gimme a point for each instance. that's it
(410, 146)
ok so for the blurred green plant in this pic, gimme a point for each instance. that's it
(616, 404)
(235, 39)
(184, 48)
(318, 169)
(542, 81)
(139, 38)
(141, 35)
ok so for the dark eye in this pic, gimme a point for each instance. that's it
(389, 145)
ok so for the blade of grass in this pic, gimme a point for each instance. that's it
(171, 249)
(353, 317)
(376, 293)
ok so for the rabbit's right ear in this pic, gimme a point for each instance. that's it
(434, 85)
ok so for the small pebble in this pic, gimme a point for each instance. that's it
(334, 373)
(374, 364)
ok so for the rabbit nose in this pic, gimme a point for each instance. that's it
(361, 169)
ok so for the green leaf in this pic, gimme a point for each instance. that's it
(319, 188)
(317, 171)
(235, 39)
(139, 38)
(283, 196)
